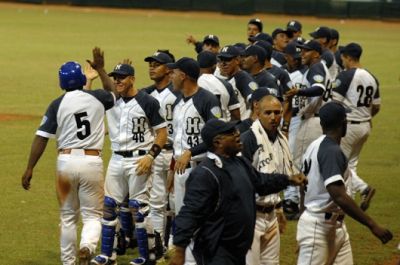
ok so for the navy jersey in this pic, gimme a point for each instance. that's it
(265, 79)
(357, 89)
(278, 58)
(243, 84)
(131, 123)
(189, 116)
(76, 119)
(283, 79)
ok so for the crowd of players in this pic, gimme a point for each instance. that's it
(274, 85)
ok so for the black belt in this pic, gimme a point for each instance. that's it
(356, 122)
(168, 147)
(131, 153)
(328, 216)
(268, 209)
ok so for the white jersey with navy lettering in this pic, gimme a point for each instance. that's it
(316, 75)
(323, 163)
(297, 78)
(166, 97)
(223, 91)
(357, 89)
(76, 119)
(189, 116)
(132, 121)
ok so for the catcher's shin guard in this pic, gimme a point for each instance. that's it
(109, 222)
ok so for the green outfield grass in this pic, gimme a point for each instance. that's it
(36, 40)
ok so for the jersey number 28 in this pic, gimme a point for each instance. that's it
(365, 98)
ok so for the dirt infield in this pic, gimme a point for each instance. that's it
(17, 117)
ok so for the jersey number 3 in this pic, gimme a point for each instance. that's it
(83, 125)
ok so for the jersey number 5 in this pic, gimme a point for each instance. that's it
(83, 125)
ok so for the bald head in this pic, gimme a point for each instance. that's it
(270, 114)
(268, 100)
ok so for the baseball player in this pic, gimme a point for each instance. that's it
(210, 43)
(358, 90)
(267, 148)
(230, 107)
(321, 233)
(261, 37)
(161, 90)
(76, 120)
(295, 28)
(280, 38)
(132, 124)
(313, 86)
(242, 82)
(254, 27)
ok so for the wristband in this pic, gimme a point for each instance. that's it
(154, 150)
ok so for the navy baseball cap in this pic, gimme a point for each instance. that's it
(257, 22)
(214, 127)
(311, 45)
(206, 59)
(334, 34)
(353, 50)
(332, 114)
(279, 30)
(229, 52)
(293, 49)
(211, 38)
(261, 36)
(159, 57)
(266, 46)
(123, 69)
(187, 65)
(241, 47)
(294, 26)
(255, 50)
(259, 93)
(321, 32)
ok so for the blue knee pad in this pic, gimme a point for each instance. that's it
(109, 223)
(125, 217)
(137, 207)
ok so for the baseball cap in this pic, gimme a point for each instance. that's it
(229, 52)
(332, 114)
(187, 65)
(353, 50)
(266, 46)
(334, 34)
(206, 59)
(261, 36)
(123, 69)
(321, 32)
(280, 30)
(293, 50)
(214, 127)
(241, 47)
(257, 22)
(259, 93)
(159, 57)
(311, 45)
(211, 38)
(255, 50)
(294, 26)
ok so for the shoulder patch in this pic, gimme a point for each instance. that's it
(216, 111)
(253, 85)
(44, 119)
(318, 78)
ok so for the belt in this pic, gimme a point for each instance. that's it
(269, 208)
(168, 147)
(357, 122)
(89, 152)
(339, 218)
(131, 153)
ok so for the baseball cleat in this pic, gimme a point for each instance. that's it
(84, 256)
(366, 197)
(103, 260)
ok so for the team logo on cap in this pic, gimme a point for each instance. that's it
(318, 78)
(216, 111)
(156, 53)
(253, 85)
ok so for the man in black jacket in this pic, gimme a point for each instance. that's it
(219, 206)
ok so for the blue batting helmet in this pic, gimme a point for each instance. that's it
(71, 76)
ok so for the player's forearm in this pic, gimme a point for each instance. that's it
(106, 81)
(38, 146)
(313, 91)
(161, 137)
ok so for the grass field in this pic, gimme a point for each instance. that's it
(36, 40)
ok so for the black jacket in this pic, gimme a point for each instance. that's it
(219, 206)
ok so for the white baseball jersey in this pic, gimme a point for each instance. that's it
(297, 77)
(223, 91)
(243, 84)
(76, 119)
(323, 163)
(316, 75)
(189, 116)
(166, 97)
(358, 90)
(132, 121)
